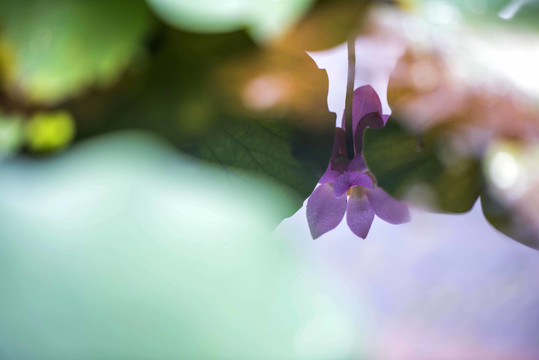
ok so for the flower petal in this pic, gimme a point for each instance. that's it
(349, 179)
(357, 164)
(341, 185)
(361, 179)
(359, 214)
(371, 120)
(387, 208)
(330, 176)
(366, 101)
(324, 210)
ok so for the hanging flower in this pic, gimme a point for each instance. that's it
(347, 186)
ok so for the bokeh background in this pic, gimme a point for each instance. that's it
(155, 157)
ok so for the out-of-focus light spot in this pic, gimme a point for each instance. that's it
(442, 12)
(508, 12)
(513, 176)
(504, 170)
(50, 131)
(416, 31)
(265, 92)
(424, 75)
(509, 57)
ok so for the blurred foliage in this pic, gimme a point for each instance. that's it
(240, 92)
(450, 107)
(220, 97)
(190, 94)
(11, 135)
(426, 168)
(503, 218)
(511, 200)
(55, 48)
(264, 19)
(422, 166)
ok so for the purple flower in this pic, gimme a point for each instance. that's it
(347, 186)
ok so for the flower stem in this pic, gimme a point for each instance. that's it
(350, 97)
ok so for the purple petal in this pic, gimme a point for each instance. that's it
(330, 176)
(366, 101)
(349, 179)
(324, 210)
(337, 166)
(361, 179)
(359, 214)
(387, 208)
(357, 164)
(341, 185)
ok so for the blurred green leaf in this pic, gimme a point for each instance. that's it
(11, 134)
(181, 96)
(404, 163)
(266, 149)
(264, 19)
(57, 48)
(504, 219)
(511, 180)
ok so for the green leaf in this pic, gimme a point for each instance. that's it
(264, 19)
(510, 183)
(182, 97)
(268, 150)
(57, 48)
(504, 219)
(422, 167)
